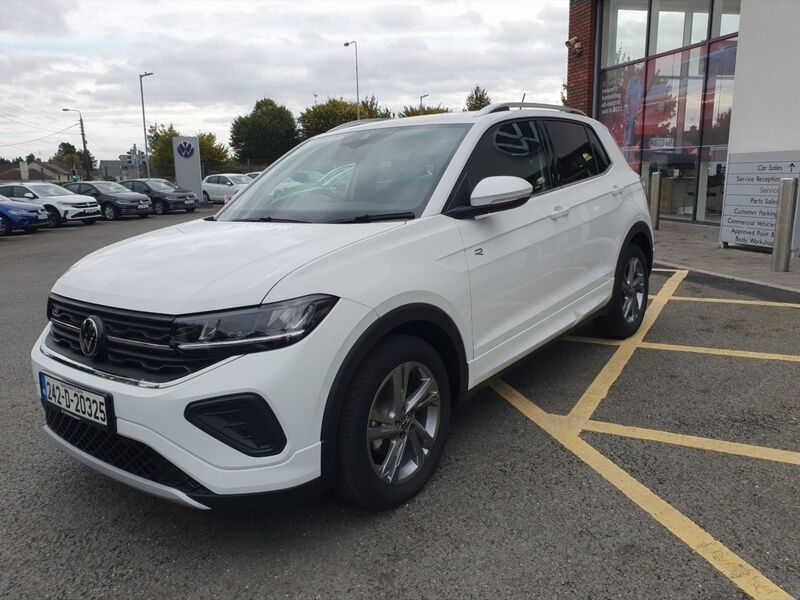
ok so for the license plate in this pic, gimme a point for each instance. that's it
(42, 217)
(80, 403)
(144, 206)
(188, 201)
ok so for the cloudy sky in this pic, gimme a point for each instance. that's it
(213, 60)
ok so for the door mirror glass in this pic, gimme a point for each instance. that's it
(228, 182)
(29, 195)
(500, 190)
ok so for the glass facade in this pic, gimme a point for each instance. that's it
(665, 90)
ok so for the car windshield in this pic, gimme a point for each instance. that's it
(356, 175)
(240, 179)
(48, 189)
(109, 187)
(163, 186)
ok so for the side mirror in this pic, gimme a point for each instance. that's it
(229, 183)
(29, 195)
(494, 194)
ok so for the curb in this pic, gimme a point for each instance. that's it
(659, 263)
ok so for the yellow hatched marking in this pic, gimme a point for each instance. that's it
(737, 301)
(720, 352)
(566, 431)
(691, 441)
(597, 391)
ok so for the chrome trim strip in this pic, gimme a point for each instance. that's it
(140, 483)
(67, 325)
(127, 342)
(229, 343)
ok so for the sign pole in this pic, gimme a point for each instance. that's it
(655, 197)
(784, 224)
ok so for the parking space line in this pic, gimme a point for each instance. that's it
(691, 441)
(737, 301)
(597, 391)
(564, 430)
(720, 351)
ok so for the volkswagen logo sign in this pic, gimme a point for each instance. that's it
(91, 336)
(185, 149)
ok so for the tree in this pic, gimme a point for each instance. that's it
(477, 99)
(415, 111)
(337, 111)
(69, 157)
(213, 154)
(159, 140)
(265, 134)
(30, 158)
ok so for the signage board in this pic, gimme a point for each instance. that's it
(751, 197)
(186, 154)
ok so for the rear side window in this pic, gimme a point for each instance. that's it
(511, 148)
(7, 191)
(600, 154)
(574, 152)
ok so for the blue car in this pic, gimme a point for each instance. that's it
(21, 215)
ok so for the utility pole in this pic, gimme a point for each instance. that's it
(358, 98)
(136, 161)
(144, 123)
(86, 164)
(420, 102)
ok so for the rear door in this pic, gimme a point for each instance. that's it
(589, 203)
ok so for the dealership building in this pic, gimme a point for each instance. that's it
(682, 84)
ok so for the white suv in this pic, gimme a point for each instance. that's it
(328, 336)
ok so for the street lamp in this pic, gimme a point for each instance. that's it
(83, 138)
(144, 124)
(420, 102)
(358, 98)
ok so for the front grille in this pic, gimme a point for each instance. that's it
(84, 205)
(127, 331)
(127, 454)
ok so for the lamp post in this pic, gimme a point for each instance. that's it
(144, 123)
(358, 98)
(420, 102)
(83, 138)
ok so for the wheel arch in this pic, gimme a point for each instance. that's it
(640, 235)
(421, 320)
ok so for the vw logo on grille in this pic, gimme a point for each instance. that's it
(91, 336)
(185, 149)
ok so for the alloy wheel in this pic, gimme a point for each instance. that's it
(108, 212)
(403, 422)
(633, 288)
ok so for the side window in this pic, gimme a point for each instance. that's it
(213, 179)
(128, 184)
(511, 148)
(7, 191)
(224, 180)
(20, 191)
(600, 154)
(573, 152)
(138, 186)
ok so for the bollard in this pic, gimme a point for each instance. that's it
(784, 224)
(655, 197)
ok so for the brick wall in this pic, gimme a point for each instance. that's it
(580, 69)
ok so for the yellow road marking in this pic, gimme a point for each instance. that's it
(737, 301)
(591, 340)
(720, 352)
(749, 579)
(664, 270)
(691, 441)
(597, 391)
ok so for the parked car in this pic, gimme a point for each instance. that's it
(254, 174)
(216, 187)
(26, 216)
(62, 204)
(165, 196)
(325, 334)
(114, 199)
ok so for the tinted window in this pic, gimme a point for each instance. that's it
(20, 191)
(213, 179)
(128, 184)
(7, 190)
(599, 152)
(573, 152)
(507, 149)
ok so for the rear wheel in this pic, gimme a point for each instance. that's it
(110, 212)
(629, 301)
(54, 216)
(394, 423)
(5, 226)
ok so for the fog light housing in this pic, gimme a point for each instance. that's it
(244, 422)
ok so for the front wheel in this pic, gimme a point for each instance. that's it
(110, 212)
(206, 197)
(159, 207)
(394, 423)
(5, 226)
(190, 210)
(54, 216)
(628, 304)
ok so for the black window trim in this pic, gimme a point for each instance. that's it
(610, 162)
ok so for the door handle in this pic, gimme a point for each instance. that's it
(559, 212)
(616, 190)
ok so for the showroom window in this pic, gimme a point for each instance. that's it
(625, 27)
(677, 23)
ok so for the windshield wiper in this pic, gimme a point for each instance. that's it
(370, 218)
(268, 220)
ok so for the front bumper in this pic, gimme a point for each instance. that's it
(78, 214)
(135, 210)
(27, 222)
(295, 388)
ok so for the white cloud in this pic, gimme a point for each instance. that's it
(213, 60)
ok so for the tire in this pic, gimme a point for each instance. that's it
(30, 229)
(190, 210)
(55, 216)
(144, 216)
(160, 208)
(5, 226)
(625, 311)
(366, 474)
(89, 221)
(206, 197)
(110, 212)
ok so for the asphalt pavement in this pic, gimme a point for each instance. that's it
(666, 466)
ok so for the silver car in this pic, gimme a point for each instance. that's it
(217, 187)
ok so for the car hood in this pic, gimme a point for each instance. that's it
(69, 199)
(131, 196)
(204, 265)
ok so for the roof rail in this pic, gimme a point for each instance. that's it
(493, 108)
(358, 122)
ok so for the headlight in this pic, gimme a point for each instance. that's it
(251, 329)
(20, 213)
